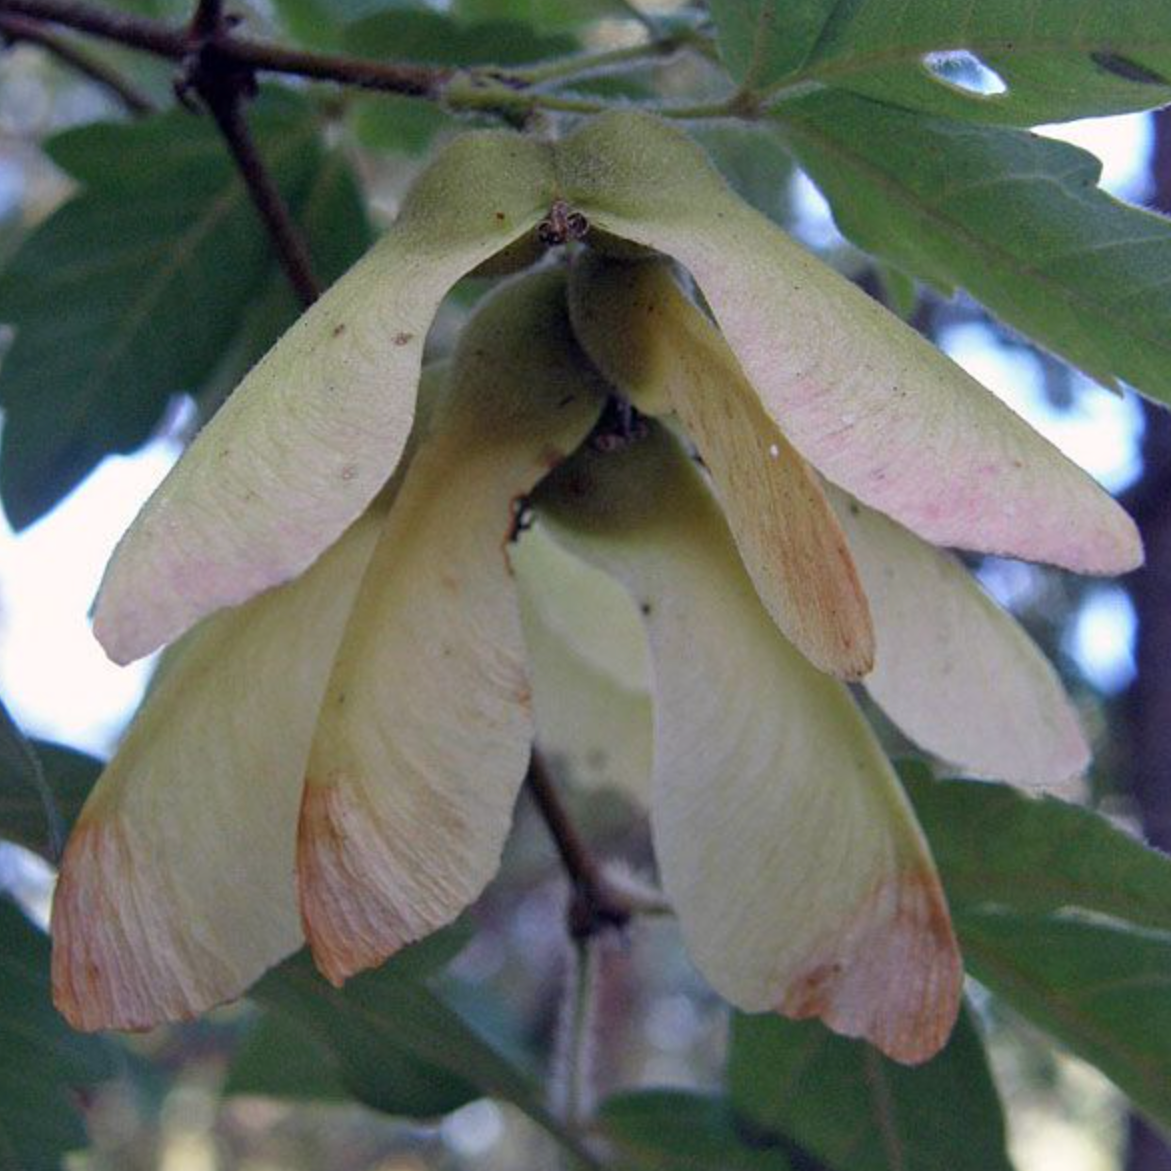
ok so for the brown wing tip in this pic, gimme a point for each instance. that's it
(349, 925)
(892, 976)
(843, 643)
(114, 964)
(855, 658)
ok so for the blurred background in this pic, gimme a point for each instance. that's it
(1110, 640)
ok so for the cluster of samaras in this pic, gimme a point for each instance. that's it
(334, 751)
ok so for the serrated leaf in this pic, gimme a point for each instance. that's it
(43, 1062)
(38, 807)
(129, 293)
(399, 1046)
(997, 847)
(1103, 990)
(1056, 59)
(1015, 219)
(854, 1110)
(679, 1130)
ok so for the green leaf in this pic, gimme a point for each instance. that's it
(406, 124)
(1103, 990)
(856, 1111)
(392, 122)
(281, 1059)
(399, 1047)
(755, 164)
(1059, 59)
(900, 293)
(996, 846)
(28, 811)
(38, 809)
(1015, 219)
(1014, 866)
(678, 1130)
(544, 15)
(129, 293)
(42, 1062)
(763, 41)
(422, 35)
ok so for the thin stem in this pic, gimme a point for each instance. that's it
(422, 81)
(577, 1042)
(54, 825)
(137, 32)
(176, 44)
(595, 905)
(732, 107)
(224, 85)
(646, 52)
(636, 13)
(488, 90)
(290, 247)
(471, 92)
(208, 20)
(14, 28)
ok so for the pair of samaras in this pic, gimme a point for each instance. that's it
(334, 751)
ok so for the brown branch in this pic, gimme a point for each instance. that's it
(137, 32)
(421, 81)
(225, 85)
(228, 112)
(177, 44)
(22, 29)
(208, 20)
(594, 906)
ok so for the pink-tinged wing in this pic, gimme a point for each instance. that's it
(650, 340)
(315, 430)
(872, 405)
(177, 889)
(954, 671)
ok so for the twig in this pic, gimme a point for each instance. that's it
(572, 1090)
(14, 29)
(208, 21)
(282, 228)
(584, 64)
(595, 906)
(225, 85)
(177, 44)
(138, 32)
(489, 90)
